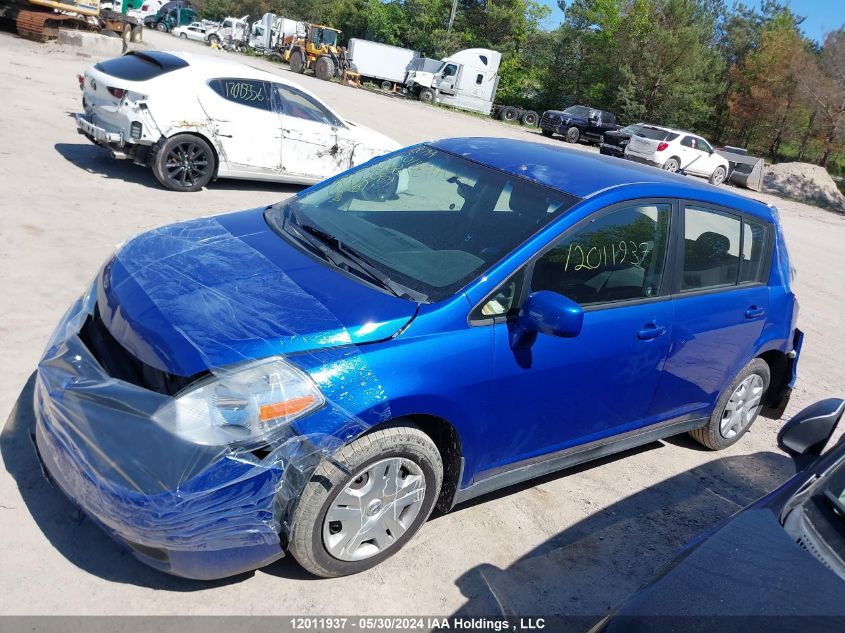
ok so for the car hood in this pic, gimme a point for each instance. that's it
(563, 115)
(749, 567)
(215, 291)
(374, 141)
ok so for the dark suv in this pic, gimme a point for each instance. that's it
(578, 123)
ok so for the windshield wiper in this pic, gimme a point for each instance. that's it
(329, 246)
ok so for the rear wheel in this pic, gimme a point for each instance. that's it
(427, 95)
(508, 114)
(737, 408)
(364, 504)
(573, 134)
(213, 40)
(387, 85)
(529, 118)
(324, 68)
(673, 164)
(274, 57)
(126, 35)
(184, 163)
(718, 176)
(137, 34)
(297, 64)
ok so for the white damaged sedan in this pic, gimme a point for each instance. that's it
(194, 118)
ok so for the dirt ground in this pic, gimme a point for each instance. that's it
(573, 543)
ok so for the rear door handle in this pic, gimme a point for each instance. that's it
(651, 331)
(753, 312)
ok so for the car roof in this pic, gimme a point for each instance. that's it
(583, 174)
(212, 67)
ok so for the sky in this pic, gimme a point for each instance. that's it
(822, 16)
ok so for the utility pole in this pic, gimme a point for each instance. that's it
(452, 15)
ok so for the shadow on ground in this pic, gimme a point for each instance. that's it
(585, 570)
(77, 538)
(96, 160)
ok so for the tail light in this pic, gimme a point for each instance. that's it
(660, 146)
(117, 93)
(81, 82)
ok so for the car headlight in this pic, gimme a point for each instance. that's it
(246, 405)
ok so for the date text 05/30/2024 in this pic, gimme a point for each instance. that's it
(402, 623)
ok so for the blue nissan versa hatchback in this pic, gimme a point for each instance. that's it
(438, 323)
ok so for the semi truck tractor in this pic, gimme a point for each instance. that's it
(467, 80)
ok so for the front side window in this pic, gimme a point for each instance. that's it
(711, 249)
(296, 103)
(426, 218)
(618, 256)
(450, 71)
(248, 92)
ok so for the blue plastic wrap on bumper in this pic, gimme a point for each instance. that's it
(223, 521)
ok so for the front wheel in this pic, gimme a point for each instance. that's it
(363, 505)
(161, 27)
(183, 36)
(573, 134)
(297, 64)
(737, 408)
(184, 163)
(427, 95)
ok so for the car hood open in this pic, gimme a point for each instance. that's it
(212, 292)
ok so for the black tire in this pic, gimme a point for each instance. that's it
(297, 64)
(324, 68)
(672, 165)
(573, 135)
(213, 39)
(137, 34)
(184, 163)
(387, 85)
(529, 118)
(161, 26)
(547, 133)
(711, 434)
(508, 114)
(718, 176)
(126, 35)
(402, 440)
(274, 57)
(184, 36)
(427, 95)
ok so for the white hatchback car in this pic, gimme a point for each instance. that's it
(194, 118)
(676, 150)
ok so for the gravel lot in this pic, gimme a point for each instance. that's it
(574, 543)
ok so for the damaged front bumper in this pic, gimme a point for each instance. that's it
(192, 511)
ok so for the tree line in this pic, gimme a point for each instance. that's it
(739, 74)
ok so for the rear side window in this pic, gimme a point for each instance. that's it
(617, 257)
(248, 92)
(711, 249)
(755, 246)
(141, 66)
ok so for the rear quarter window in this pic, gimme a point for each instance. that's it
(141, 66)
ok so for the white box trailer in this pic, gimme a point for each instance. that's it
(386, 64)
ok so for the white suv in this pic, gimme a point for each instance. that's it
(676, 150)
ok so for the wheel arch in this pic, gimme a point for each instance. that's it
(779, 370)
(448, 442)
(208, 138)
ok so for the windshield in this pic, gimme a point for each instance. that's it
(631, 129)
(428, 220)
(579, 111)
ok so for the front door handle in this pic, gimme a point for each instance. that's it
(651, 331)
(753, 312)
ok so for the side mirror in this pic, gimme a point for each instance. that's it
(546, 312)
(807, 433)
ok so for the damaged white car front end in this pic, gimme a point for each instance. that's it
(194, 118)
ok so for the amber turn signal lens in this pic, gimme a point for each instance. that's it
(288, 407)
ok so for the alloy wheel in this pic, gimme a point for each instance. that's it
(186, 164)
(372, 512)
(743, 407)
